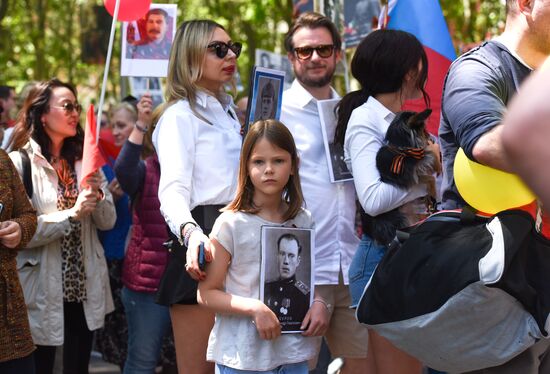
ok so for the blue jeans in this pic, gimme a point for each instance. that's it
(148, 322)
(362, 266)
(298, 368)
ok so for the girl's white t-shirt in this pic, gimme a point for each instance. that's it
(234, 340)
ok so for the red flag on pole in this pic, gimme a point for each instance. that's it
(92, 157)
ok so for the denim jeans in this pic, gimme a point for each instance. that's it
(148, 322)
(298, 368)
(362, 266)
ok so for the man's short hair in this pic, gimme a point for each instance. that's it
(313, 20)
(159, 11)
(289, 237)
(5, 92)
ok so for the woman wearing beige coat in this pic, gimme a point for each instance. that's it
(63, 272)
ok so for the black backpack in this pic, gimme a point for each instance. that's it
(463, 293)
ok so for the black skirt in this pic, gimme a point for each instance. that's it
(176, 285)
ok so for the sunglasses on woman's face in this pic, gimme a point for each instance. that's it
(305, 53)
(222, 48)
(69, 107)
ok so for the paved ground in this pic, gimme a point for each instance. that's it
(98, 366)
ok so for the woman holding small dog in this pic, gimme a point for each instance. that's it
(391, 67)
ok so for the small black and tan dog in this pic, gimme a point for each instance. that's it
(408, 158)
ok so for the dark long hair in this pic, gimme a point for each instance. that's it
(380, 64)
(29, 123)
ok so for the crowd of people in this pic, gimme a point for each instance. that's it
(158, 252)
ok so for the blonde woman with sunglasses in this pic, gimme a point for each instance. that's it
(198, 141)
(63, 270)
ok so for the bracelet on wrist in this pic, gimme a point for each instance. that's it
(141, 128)
(322, 302)
(187, 233)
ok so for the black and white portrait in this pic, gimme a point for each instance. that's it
(272, 60)
(360, 18)
(338, 169)
(286, 274)
(266, 95)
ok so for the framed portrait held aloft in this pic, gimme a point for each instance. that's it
(266, 95)
(146, 42)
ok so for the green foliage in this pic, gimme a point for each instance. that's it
(42, 38)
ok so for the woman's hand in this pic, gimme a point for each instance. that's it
(316, 320)
(93, 181)
(85, 204)
(10, 234)
(115, 189)
(145, 110)
(192, 257)
(266, 322)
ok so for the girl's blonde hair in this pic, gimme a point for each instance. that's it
(185, 64)
(277, 134)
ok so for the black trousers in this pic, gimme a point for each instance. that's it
(77, 346)
(23, 365)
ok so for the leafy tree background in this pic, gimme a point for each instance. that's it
(40, 39)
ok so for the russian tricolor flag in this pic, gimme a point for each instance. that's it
(424, 19)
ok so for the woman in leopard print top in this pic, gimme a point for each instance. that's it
(63, 273)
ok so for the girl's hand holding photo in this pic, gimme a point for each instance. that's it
(266, 322)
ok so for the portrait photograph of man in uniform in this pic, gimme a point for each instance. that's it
(287, 274)
(151, 39)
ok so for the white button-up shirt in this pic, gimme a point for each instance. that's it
(332, 205)
(198, 155)
(365, 135)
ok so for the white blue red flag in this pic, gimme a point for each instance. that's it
(424, 19)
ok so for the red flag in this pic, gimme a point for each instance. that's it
(92, 158)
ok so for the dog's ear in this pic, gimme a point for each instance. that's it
(418, 120)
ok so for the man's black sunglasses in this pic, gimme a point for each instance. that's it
(305, 53)
(222, 48)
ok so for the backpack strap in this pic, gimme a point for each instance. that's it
(27, 176)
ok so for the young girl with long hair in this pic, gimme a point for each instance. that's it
(391, 67)
(247, 334)
(198, 140)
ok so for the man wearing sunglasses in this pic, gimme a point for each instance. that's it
(314, 47)
(155, 45)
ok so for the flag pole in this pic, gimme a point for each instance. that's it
(106, 71)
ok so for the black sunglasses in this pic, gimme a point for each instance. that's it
(222, 48)
(305, 53)
(68, 107)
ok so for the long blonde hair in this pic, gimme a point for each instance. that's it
(185, 65)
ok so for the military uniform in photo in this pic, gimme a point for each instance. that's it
(289, 300)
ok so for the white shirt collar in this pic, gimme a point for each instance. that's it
(301, 96)
(387, 114)
(203, 97)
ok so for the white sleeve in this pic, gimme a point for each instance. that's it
(174, 141)
(375, 196)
